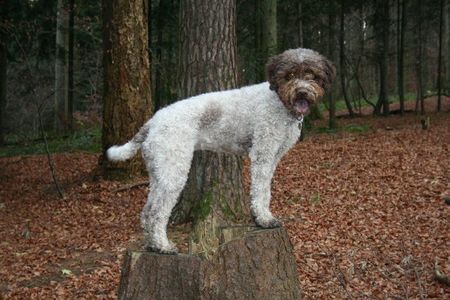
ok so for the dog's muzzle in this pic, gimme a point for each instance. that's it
(304, 99)
(302, 103)
(300, 95)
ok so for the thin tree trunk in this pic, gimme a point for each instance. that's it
(418, 63)
(331, 46)
(268, 33)
(342, 60)
(401, 24)
(3, 83)
(148, 9)
(61, 68)
(70, 71)
(385, 60)
(170, 65)
(447, 44)
(126, 91)
(439, 71)
(300, 23)
(4, 37)
(159, 44)
(382, 11)
(213, 194)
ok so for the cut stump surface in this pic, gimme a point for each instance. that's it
(250, 263)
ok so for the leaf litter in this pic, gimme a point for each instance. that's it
(365, 212)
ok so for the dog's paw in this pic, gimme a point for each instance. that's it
(170, 248)
(268, 223)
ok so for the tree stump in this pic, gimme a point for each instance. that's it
(250, 263)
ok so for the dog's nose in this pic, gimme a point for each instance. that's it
(302, 95)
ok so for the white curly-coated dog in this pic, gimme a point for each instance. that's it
(260, 120)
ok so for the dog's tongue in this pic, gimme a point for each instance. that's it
(301, 106)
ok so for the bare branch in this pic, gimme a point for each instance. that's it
(41, 126)
(439, 276)
(130, 186)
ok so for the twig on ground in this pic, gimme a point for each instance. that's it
(50, 159)
(439, 276)
(130, 186)
(341, 276)
(419, 283)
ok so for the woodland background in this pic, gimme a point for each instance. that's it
(394, 49)
(364, 205)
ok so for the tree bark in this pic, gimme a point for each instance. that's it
(61, 68)
(342, 60)
(70, 69)
(383, 21)
(447, 44)
(418, 62)
(126, 91)
(249, 263)
(439, 70)
(267, 34)
(214, 194)
(331, 46)
(401, 24)
(3, 83)
(300, 23)
(158, 67)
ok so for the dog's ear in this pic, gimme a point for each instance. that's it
(272, 69)
(330, 72)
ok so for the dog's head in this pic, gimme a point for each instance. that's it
(300, 77)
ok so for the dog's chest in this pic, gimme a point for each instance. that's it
(290, 136)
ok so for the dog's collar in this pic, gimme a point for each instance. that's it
(300, 123)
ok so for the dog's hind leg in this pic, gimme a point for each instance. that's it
(168, 176)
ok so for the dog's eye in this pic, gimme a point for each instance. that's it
(290, 76)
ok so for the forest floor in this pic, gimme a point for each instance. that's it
(364, 207)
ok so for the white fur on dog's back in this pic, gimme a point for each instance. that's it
(124, 152)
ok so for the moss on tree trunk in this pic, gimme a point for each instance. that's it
(214, 194)
(248, 263)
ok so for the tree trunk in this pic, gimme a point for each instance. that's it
(439, 70)
(61, 68)
(418, 63)
(401, 24)
(300, 23)
(267, 45)
(159, 44)
(70, 71)
(126, 91)
(331, 46)
(248, 264)
(342, 60)
(214, 194)
(383, 21)
(3, 82)
(384, 88)
(447, 44)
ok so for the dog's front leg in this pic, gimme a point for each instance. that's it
(263, 164)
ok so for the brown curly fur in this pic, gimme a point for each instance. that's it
(300, 74)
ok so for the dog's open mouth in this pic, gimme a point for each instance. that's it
(301, 106)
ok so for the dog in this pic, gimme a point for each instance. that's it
(261, 121)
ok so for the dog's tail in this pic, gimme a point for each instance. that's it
(128, 150)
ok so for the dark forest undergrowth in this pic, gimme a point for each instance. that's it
(364, 209)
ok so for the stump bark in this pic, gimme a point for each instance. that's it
(250, 263)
